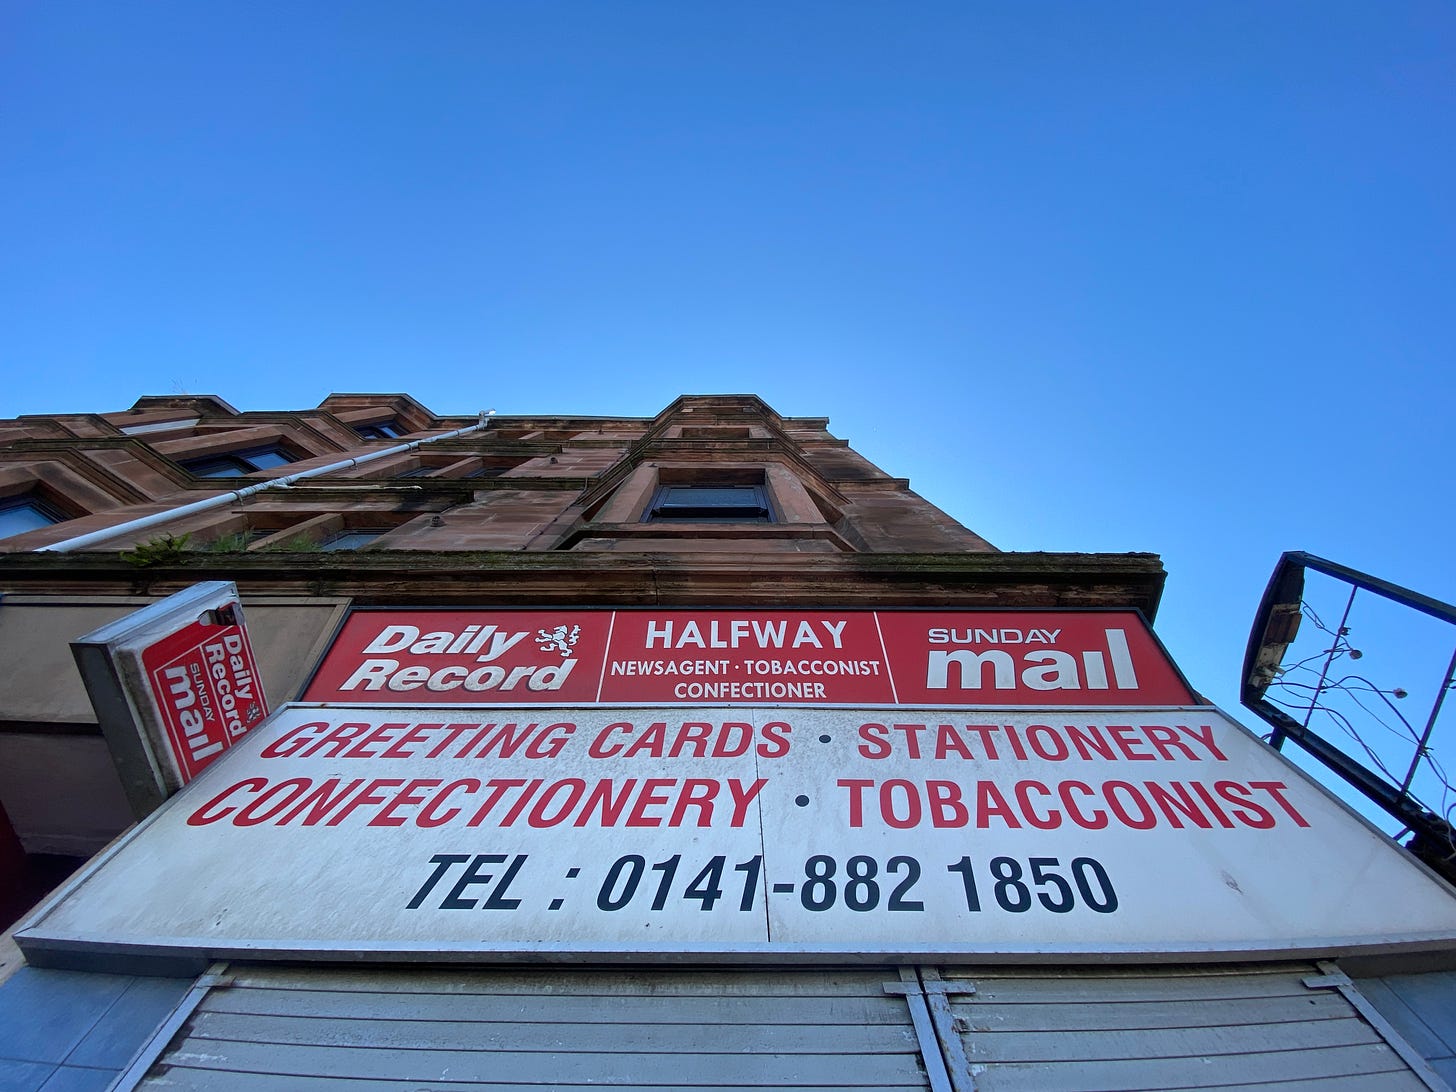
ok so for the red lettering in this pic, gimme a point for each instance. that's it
(601, 796)
(1051, 820)
(379, 735)
(418, 734)
(1148, 817)
(1245, 810)
(947, 809)
(321, 801)
(1128, 743)
(452, 733)
(912, 803)
(1277, 789)
(947, 739)
(1166, 740)
(1096, 821)
(697, 792)
(875, 742)
(427, 817)
(856, 787)
(519, 806)
(990, 803)
(201, 817)
(497, 787)
(694, 733)
(911, 732)
(368, 796)
(288, 744)
(295, 786)
(598, 748)
(410, 794)
(651, 741)
(775, 740)
(337, 738)
(574, 786)
(649, 797)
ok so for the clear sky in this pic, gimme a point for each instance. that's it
(1173, 277)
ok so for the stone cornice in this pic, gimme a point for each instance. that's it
(999, 580)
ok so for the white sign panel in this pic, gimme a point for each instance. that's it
(750, 833)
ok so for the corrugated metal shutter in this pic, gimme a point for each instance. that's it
(306, 1029)
(1166, 1028)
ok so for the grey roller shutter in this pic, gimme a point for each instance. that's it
(1241, 1027)
(306, 1029)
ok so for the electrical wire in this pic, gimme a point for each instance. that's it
(1311, 698)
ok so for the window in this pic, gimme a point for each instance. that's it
(349, 540)
(710, 504)
(235, 463)
(383, 430)
(160, 426)
(21, 514)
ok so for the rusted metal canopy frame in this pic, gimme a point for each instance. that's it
(1274, 630)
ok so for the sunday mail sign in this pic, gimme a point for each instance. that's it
(741, 834)
(204, 682)
(817, 657)
(174, 685)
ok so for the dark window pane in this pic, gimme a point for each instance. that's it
(711, 495)
(234, 463)
(265, 458)
(384, 430)
(223, 466)
(350, 540)
(711, 504)
(25, 514)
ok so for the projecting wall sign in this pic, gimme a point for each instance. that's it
(1036, 658)
(174, 685)
(440, 833)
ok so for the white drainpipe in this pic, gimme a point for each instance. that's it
(80, 542)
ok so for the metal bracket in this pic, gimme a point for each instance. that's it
(1332, 978)
(926, 994)
(153, 1048)
(949, 1028)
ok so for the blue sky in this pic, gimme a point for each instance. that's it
(1173, 277)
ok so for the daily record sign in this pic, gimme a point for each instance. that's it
(1037, 658)
(204, 681)
(174, 685)
(639, 833)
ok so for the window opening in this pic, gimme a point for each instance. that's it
(382, 430)
(349, 540)
(21, 514)
(710, 504)
(160, 426)
(235, 463)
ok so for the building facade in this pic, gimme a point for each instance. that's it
(667, 540)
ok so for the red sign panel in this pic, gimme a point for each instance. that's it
(205, 681)
(1030, 658)
(813, 657)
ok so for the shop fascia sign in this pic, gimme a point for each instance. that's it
(1058, 798)
(808, 657)
(747, 834)
(174, 686)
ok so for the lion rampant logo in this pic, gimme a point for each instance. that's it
(559, 639)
